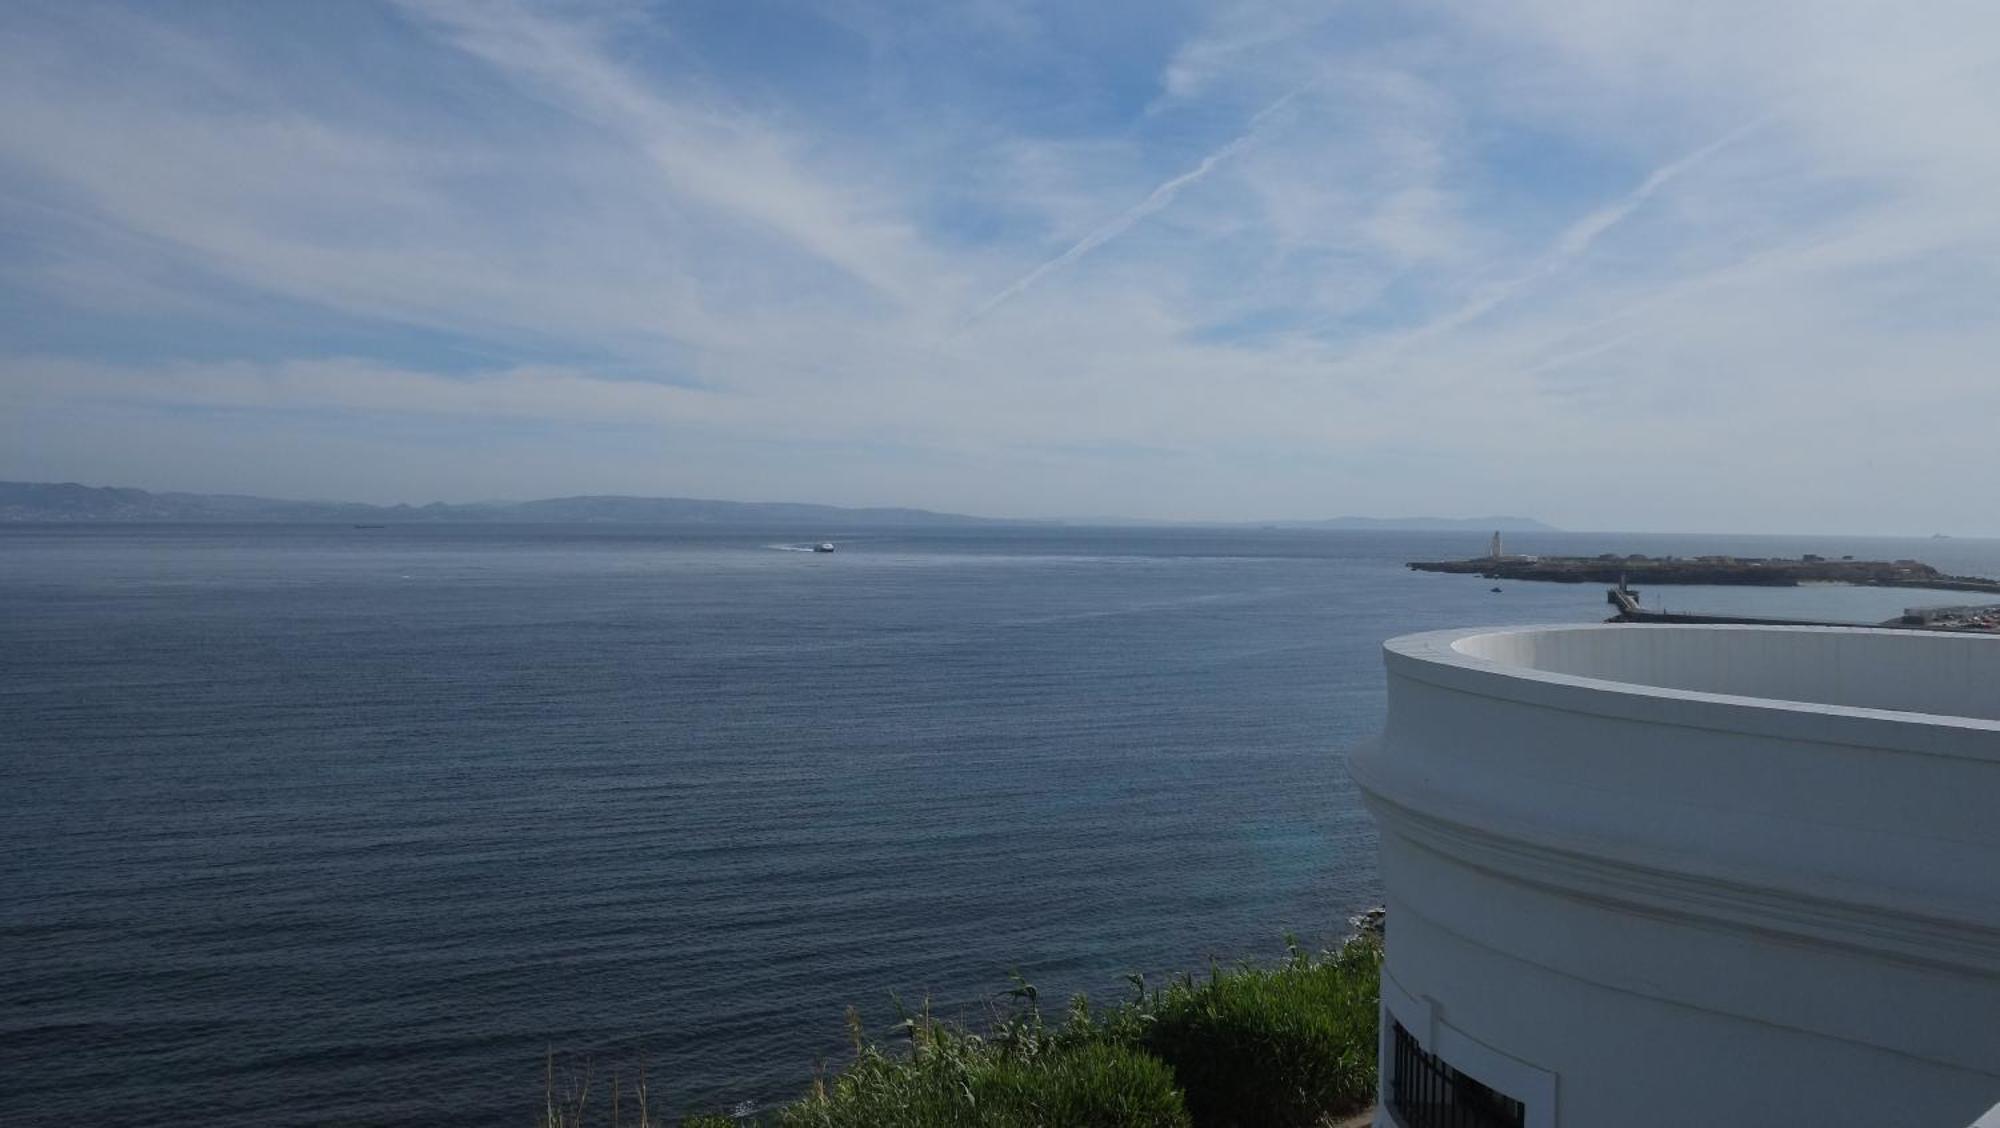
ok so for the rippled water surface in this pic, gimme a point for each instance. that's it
(349, 826)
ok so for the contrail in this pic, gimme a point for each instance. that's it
(1579, 236)
(1159, 198)
(1585, 231)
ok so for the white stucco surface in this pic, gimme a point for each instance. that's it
(1698, 874)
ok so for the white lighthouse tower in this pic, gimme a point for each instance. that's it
(1495, 552)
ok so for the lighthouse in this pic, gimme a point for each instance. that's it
(1495, 551)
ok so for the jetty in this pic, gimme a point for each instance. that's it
(1629, 611)
(1613, 568)
(1980, 619)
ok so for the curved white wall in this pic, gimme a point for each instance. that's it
(1697, 875)
(1913, 671)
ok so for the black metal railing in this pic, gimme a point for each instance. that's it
(1425, 1092)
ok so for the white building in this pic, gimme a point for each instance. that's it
(1689, 875)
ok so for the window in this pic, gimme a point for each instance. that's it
(1425, 1092)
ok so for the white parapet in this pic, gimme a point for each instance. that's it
(1679, 875)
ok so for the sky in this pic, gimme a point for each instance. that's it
(1615, 264)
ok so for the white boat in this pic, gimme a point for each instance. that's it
(823, 546)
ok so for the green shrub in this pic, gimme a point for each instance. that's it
(1088, 1084)
(1280, 1047)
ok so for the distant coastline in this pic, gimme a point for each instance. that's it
(63, 502)
(1426, 524)
(71, 502)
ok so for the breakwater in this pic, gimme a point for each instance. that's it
(1611, 568)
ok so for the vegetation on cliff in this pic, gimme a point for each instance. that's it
(1290, 1045)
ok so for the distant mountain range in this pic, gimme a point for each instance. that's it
(1421, 524)
(68, 501)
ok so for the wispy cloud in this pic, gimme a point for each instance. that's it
(716, 155)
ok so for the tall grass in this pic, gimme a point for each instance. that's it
(572, 1099)
(951, 1076)
(1288, 1045)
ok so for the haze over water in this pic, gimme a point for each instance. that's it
(312, 825)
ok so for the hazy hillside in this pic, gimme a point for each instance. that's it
(1441, 524)
(67, 501)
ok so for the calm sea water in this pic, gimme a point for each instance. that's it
(342, 826)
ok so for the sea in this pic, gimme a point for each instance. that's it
(322, 825)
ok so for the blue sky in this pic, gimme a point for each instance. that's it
(1689, 265)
